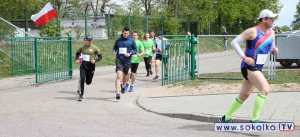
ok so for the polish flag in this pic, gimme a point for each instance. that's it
(45, 15)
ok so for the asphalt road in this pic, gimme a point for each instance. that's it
(52, 109)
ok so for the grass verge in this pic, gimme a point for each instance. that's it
(5, 68)
(282, 77)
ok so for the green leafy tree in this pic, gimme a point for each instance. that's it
(50, 29)
(218, 14)
(14, 9)
(117, 22)
(136, 20)
(277, 27)
(296, 26)
(237, 15)
(285, 28)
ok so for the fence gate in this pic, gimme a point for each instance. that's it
(50, 58)
(177, 62)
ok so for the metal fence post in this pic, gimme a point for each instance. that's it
(26, 21)
(129, 21)
(199, 27)
(108, 18)
(162, 24)
(188, 24)
(36, 59)
(70, 57)
(58, 23)
(85, 23)
(193, 42)
(12, 57)
(146, 23)
(209, 29)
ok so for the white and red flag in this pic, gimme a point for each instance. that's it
(45, 15)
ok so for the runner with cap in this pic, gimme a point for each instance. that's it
(86, 55)
(260, 40)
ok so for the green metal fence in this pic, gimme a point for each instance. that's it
(178, 59)
(50, 58)
(105, 25)
(22, 54)
(54, 58)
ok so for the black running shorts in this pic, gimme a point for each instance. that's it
(158, 57)
(251, 68)
(134, 67)
(122, 66)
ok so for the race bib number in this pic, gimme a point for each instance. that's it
(147, 51)
(86, 57)
(122, 50)
(261, 59)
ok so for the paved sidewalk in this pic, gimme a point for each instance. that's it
(278, 107)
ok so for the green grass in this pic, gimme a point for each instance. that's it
(5, 68)
(282, 77)
(104, 45)
(286, 76)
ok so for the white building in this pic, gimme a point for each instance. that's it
(76, 27)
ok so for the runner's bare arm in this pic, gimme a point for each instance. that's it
(249, 34)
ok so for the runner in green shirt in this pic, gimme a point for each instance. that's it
(135, 60)
(149, 46)
(86, 55)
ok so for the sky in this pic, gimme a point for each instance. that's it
(286, 15)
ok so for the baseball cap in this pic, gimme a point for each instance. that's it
(160, 33)
(266, 13)
(89, 37)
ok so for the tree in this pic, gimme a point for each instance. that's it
(146, 4)
(14, 9)
(50, 29)
(234, 14)
(117, 22)
(296, 26)
(136, 19)
(285, 28)
(216, 14)
(277, 27)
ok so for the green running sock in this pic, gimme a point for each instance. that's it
(259, 101)
(234, 106)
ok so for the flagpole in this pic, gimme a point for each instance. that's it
(15, 27)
